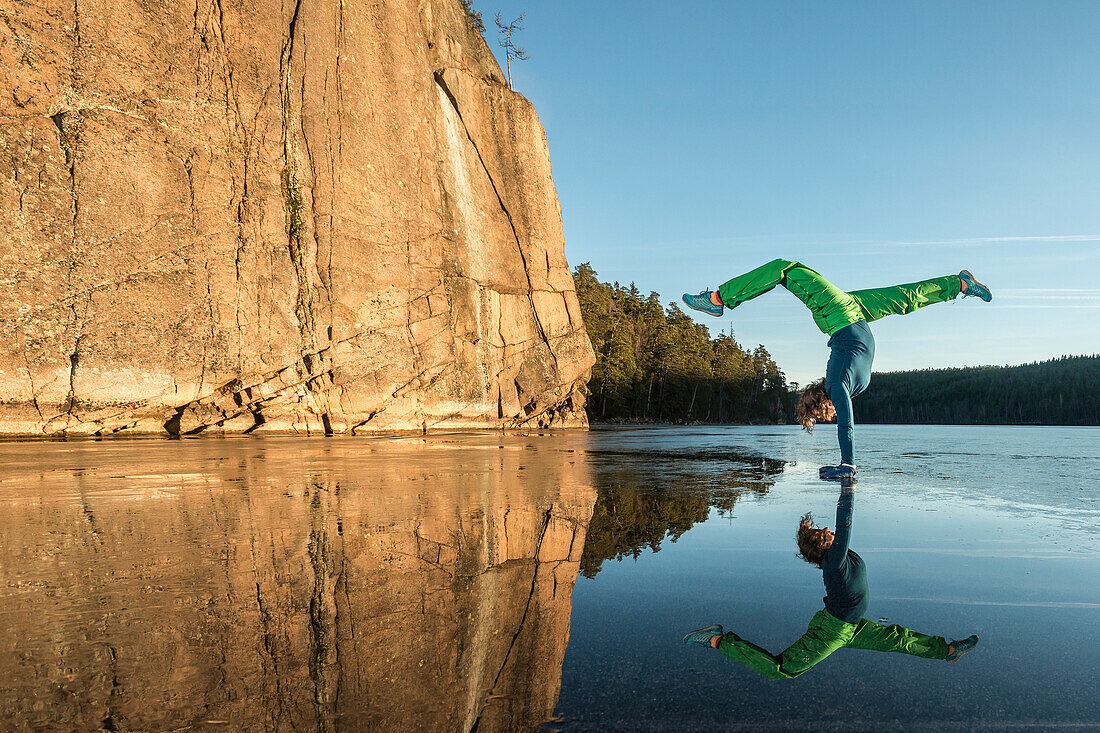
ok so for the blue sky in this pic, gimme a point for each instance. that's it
(878, 142)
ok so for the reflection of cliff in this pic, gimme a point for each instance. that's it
(648, 494)
(274, 585)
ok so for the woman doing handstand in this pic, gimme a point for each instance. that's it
(843, 317)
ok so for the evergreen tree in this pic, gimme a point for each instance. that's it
(656, 364)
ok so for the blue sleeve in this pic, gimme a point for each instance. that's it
(843, 530)
(842, 402)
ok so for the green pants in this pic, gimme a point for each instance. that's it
(832, 308)
(824, 636)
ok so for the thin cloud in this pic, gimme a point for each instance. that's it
(974, 241)
(1034, 306)
(876, 246)
(1027, 291)
(1079, 297)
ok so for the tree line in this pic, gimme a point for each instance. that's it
(1060, 391)
(655, 364)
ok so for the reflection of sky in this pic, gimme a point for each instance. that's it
(988, 531)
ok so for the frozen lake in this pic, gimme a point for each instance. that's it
(488, 582)
(992, 531)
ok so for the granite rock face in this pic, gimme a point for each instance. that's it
(314, 216)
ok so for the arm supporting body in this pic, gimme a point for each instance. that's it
(852, 352)
(845, 424)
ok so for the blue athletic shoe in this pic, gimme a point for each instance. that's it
(701, 302)
(835, 473)
(962, 647)
(974, 288)
(702, 637)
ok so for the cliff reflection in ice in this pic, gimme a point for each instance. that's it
(348, 584)
(281, 584)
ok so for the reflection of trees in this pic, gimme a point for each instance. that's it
(645, 496)
(627, 519)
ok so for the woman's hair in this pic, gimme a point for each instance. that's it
(811, 406)
(813, 543)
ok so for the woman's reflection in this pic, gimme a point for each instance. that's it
(840, 623)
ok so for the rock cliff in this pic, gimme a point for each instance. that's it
(308, 215)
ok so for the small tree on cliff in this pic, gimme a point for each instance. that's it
(473, 17)
(511, 50)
